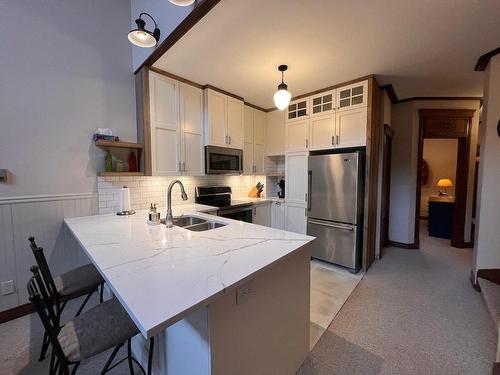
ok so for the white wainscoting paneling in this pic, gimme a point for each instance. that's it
(41, 217)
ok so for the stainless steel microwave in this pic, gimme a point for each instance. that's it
(223, 160)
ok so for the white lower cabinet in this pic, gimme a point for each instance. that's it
(262, 214)
(278, 215)
(296, 218)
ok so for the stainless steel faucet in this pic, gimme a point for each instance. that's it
(168, 218)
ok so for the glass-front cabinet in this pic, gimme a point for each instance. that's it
(322, 103)
(298, 110)
(352, 96)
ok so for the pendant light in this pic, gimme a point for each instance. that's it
(282, 96)
(142, 37)
(182, 3)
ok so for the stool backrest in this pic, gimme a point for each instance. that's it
(44, 270)
(39, 296)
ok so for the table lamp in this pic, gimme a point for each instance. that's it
(444, 183)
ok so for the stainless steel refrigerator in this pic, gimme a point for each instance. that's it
(335, 207)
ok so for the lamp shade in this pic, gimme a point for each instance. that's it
(444, 182)
(282, 99)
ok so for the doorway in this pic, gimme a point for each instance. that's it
(386, 184)
(452, 125)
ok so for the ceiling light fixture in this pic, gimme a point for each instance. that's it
(142, 37)
(282, 96)
(182, 3)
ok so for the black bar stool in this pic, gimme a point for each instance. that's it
(103, 327)
(75, 283)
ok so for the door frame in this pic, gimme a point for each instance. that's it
(386, 187)
(461, 174)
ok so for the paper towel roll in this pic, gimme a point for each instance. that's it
(124, 199)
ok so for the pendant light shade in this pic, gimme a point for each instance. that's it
(142, 37)
(182, 3)
(282, 96)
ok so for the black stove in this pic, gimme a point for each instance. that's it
(220, 197)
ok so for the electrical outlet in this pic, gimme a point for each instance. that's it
(7, 287)
(245, 292)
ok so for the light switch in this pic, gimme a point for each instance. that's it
(7, 287)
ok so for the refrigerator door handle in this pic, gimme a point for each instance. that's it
(331, 225)
(309, 183)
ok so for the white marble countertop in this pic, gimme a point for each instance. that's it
(160, 275)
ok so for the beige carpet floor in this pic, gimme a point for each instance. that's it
(414, 312)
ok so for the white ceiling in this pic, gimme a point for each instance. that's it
(422, 47)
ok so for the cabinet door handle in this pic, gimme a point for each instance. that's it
(229, 139)
(305, 211)
(305, 197)
(307, 143)
(337, 139)
(333, 140)
(184, 166)
(179, 169)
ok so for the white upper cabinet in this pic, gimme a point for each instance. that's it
(275, 133)
(322, 103)
(234, 122)
(223, 120)
(176, 127)
(352, 96)
(254, 141)
(322, 131)
(191, 124)
(351, 128)
(298, 110)
(216, 118)
(296, 177)
(297, 135)
(165, 128)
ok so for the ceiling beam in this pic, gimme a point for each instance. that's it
(203, 7)
(484, 60)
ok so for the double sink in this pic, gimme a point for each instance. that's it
(194, 223)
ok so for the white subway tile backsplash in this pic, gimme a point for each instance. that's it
(145, 190)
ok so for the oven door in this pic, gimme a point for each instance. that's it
(223, 160)
(241, 214)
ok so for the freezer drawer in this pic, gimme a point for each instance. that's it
(335, 242)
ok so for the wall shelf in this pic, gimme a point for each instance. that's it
(113, 144)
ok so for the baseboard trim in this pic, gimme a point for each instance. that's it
(16, 312)
(490, 274)
(402, 245)
(45, 198)
(496, 368)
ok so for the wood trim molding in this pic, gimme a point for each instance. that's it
(199, 11)
(255, 106)
(484, 60)
(223, 92)
(394, 98)
(490, 274)
(402, 245)
(176, 77)
(16, 312)
(45, 198)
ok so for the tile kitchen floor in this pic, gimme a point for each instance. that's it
(331, 286)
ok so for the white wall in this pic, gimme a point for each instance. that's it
(405, 122)
(487, 247)
(441, 158)
(66, 70)
(166, 15)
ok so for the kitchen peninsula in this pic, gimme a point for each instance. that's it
(234, 299)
